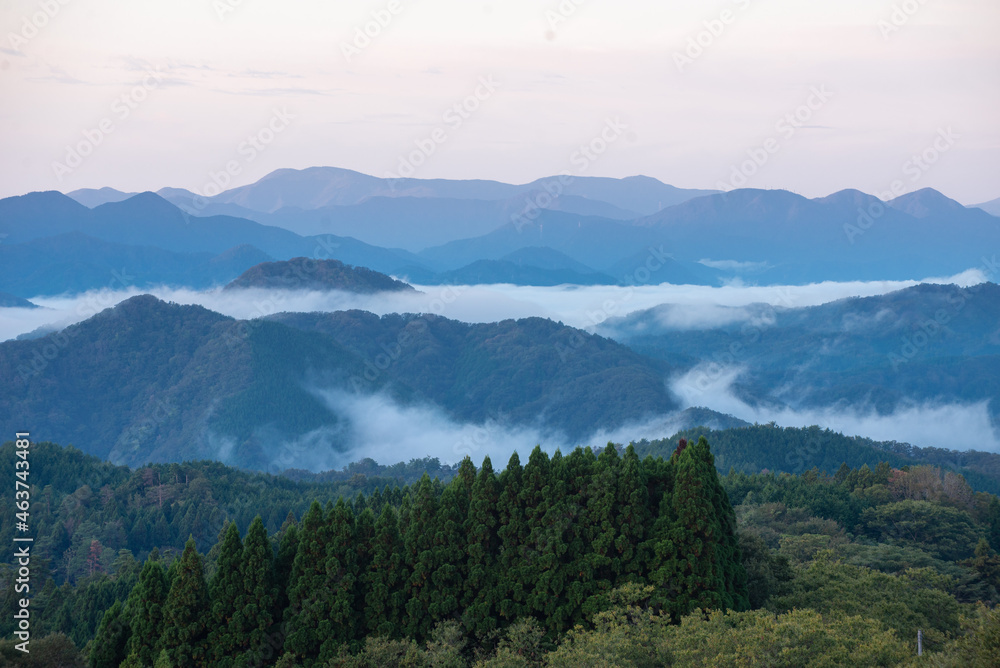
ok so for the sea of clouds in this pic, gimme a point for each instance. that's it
(388, 432)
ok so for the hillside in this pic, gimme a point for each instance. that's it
(151, 381)
(812, 565)
(528, 372)
(927, 342)
(767, 236)
(302, 273)
(762, 236)
(760, 448)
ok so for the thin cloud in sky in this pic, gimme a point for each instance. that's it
(563, 71)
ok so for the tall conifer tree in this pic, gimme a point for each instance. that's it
(632, 504)
(308, 613)
(107, 650)
(224, 637)
(418, 543)
(341, 578)
(254, 618)
(479, 602)
(145, 608)
(186, 613)
(385, 579)
(513, 534)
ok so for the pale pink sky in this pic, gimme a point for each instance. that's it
(562, 70)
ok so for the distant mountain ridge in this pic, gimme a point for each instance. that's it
(762, 236)
(992, 207)
(149, 238)
(316, 187)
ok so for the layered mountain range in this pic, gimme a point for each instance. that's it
(559, 230)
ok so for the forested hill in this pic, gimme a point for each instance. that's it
(493, 569)
(82, 499)
(926, 344)
(527, 371)
(767, 447)
(548, 540)
(303, 273)
(152, 381)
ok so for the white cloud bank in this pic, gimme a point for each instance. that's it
(954, 426)
(389, 433)
(577, 306)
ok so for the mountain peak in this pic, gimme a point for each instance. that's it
(145, 203)
(50, 200)
(93, 197)
(850, 197)
(925, 203)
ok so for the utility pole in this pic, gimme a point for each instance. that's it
(920, 642)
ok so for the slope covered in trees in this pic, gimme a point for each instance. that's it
(302, 273)
(527, 371)
(152, 381)
(926, 344)
(767, 447)
(547, 541)
(562, 561)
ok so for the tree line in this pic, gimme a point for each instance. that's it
(549, 540)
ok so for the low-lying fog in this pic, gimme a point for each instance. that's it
(401, 433)
(578, 306)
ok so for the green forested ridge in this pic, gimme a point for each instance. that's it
(152, 381)
(302, 273)
(767, 447)
(80, 499)
(550, 530)
(561, 561)
(928, 343)
(517, 369)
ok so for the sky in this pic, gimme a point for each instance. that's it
(806, 96)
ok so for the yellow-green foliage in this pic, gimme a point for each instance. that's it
(629, 636)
